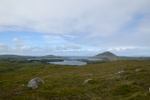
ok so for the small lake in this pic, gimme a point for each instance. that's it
(66, 62)
(82, 58)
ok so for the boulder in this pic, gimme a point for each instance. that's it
(35, 83)
(87, 80)
(122, 72)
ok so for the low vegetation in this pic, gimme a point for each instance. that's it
(67, 82)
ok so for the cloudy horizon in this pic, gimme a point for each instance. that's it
(75, 28)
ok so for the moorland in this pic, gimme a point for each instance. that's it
(63, 82)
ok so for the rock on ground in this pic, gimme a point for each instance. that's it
(137, 70)
(122, 72)
(35, 83)
(87, 80)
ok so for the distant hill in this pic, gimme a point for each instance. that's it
(22, 58)
(49, 56)
(107, 53)
(106, 56)
(13, 56)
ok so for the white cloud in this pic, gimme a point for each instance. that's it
(121, 48)
(68, 47)
(99, 17)
(109, 24)
(23, 49)
(18, 49)
(54, 39)
(16, 40)
(69, 50)
(3, 47)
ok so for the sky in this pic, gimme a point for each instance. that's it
(75, 27)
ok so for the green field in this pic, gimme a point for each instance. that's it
(67, 82)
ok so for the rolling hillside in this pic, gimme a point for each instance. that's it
(89, 82)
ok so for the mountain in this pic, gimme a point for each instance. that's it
(106, 56)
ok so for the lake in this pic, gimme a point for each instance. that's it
(82, 58)
(75, 60)
(66, 62)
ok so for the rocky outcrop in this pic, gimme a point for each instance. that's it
(35, 83)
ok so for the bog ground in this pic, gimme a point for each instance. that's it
(67, 82)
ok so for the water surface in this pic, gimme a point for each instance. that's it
(66, 62)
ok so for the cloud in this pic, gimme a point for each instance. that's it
(108, 24)
(54, 39)
(3, 47)
(17, 49)
(68, 48)
(138, 51)
(16, 40)
(121, 48)
(99, 17)
(23, 49)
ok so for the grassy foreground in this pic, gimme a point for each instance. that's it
(67, 82)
